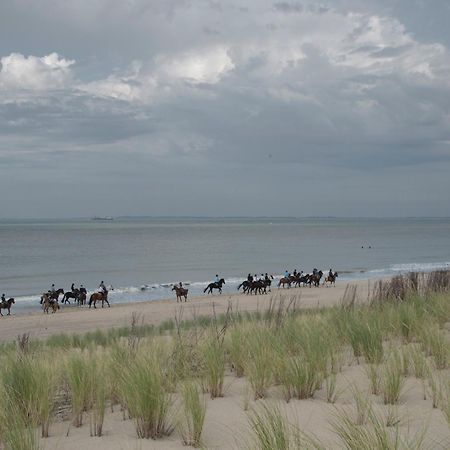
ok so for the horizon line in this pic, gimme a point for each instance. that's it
(219, 217)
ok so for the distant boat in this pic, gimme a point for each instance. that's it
(102, 218)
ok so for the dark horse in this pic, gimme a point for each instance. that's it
(217, 285)
(81, 299)
(246, 285)
(315, 278)
(99, 296)
(70, 294)
(180, 292)
(6, 305)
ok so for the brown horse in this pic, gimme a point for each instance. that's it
(48, 303)
(285, 280)
(99, 296)
(331, 279)
(6, 305)
(180, 292)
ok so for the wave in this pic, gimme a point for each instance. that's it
(411, 267)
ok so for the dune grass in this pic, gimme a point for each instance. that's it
(150, 371)
(149, 404)
(260, 362)
(193, 414)
(272, 431)
(214, 359)
(375, 436)
(392, 379)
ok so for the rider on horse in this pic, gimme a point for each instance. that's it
(102, 288)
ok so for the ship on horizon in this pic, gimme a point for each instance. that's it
(102, 218)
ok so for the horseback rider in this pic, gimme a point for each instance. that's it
(286, 274)
(3, 299)
(249, 278)
(72, 288)
(52, 290)
(216, 280)
(180, 284)
(83, 289)
(330, 274)
(315, 271)
(102, 288)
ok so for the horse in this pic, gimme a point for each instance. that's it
(74, 294)
(246, 286)
(217, 285)
(99, 296)
(55, 295)
(259, 286)
(283, 281)
(81, 299)
(315, 278)
(180, 292)
(330, 279)
(48, 303)
(6, 305)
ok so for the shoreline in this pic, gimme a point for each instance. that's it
(76, 320)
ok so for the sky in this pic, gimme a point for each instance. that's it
(224, 108)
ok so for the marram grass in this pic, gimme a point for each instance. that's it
(193, 414)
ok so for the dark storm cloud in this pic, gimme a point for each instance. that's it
(212, 107)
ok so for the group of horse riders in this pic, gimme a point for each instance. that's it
(253, 284)
(298, 278)
(78, 294)
(256, 284)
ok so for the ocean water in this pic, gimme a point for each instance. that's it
(131, 254)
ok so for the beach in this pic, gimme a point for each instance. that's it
(228, 417)
(71, 319)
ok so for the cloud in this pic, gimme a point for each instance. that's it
(344, 86)
(208, 65)
(35, 73)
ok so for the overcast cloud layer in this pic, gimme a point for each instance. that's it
(178, 107)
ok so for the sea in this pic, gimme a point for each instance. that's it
(142, 257)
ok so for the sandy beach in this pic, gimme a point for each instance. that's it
(227, 423)
(71, 319)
